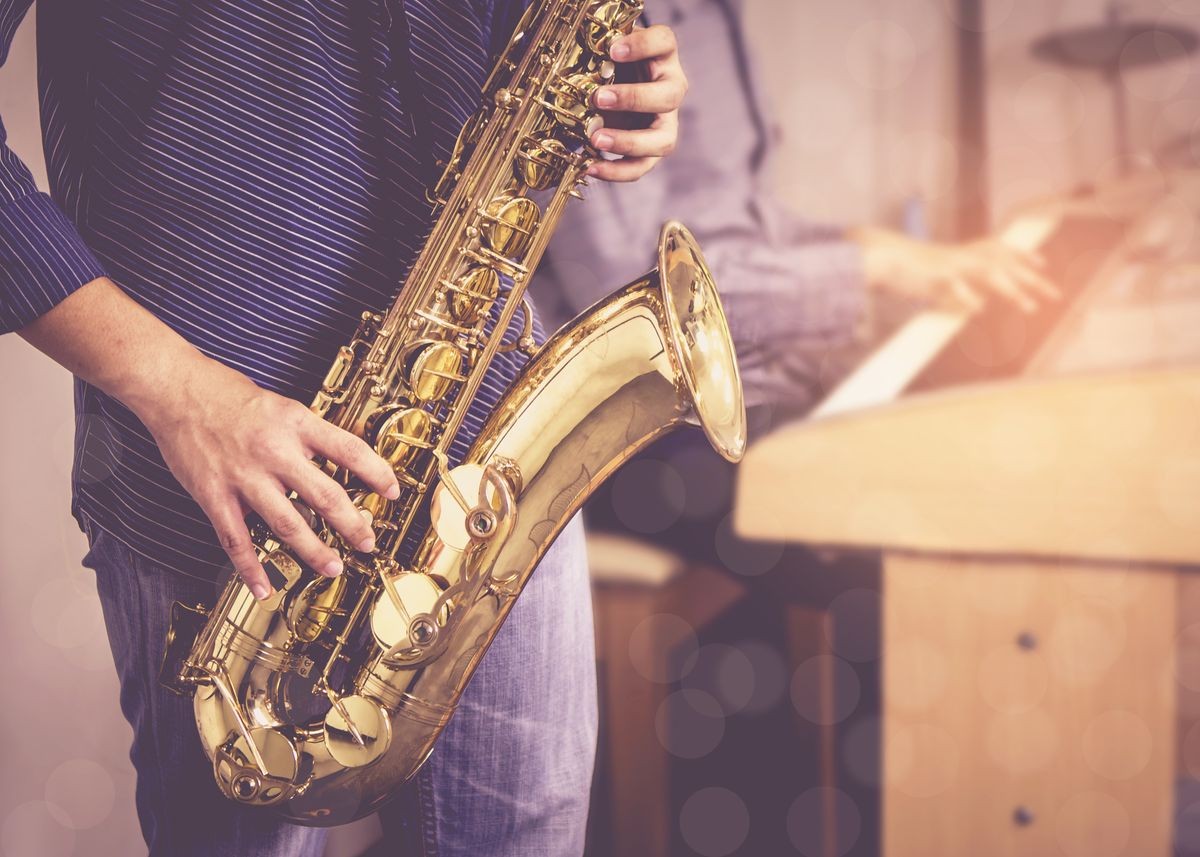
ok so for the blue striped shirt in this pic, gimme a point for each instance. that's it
(253, 173)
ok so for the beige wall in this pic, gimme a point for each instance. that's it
(65, 740)
(864, 95)
(864, 91)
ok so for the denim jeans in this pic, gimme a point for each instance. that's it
(510, 775)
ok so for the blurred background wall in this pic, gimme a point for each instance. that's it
(865, 99)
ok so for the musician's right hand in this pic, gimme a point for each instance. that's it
(961, 276)
(235, 447)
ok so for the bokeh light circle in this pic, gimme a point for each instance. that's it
(84, 790)
(648, 495)
(1021, 743)
(917, 675)
(714, 822)
(936, 761)
(881, 54)
(1085, 643)
(806, 822)
(707, 481)
(770, 675)
(1117, 744)
(1092, 824)
(689, 724)
(36, 829)
(724, 672)
(65, 617)
(662, 648)
(811, 683)
(1187, 826)
(743, 557)
(1048, 107)
(1159, 81)
(854, 626)
(1012, 679)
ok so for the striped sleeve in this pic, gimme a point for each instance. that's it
(42, 256)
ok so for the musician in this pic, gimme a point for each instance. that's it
(793, 289)
(232, 184)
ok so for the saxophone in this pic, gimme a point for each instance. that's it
(321, 699)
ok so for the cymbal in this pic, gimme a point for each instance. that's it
(1106, 46)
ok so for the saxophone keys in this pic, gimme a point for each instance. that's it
(509, 223)
(457, 522)
(525, 342)
(434, 369)
(237, 771)
(402, 615)
(507, 100)
(472, 294)
(540, 163)
(338, 372)
(357, 731)
(608, 21)
(314, 606)
(401, 434)
(571, 102)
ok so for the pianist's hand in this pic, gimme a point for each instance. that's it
(961, 276)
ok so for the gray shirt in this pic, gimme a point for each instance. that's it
(792, 289)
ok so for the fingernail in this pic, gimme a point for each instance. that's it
(593, 170)
(606, 98)
(393, 493)
(261, 591)
(367, 545)
(334, 568)
(603, 141)
(620, 50)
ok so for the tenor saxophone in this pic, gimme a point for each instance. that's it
(321, 699)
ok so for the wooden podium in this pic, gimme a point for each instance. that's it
(1032, 535)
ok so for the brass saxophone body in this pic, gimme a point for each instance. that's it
(320, 700)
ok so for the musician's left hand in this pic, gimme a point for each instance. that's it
(657, 98)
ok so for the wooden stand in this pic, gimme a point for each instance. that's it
(1032, 535)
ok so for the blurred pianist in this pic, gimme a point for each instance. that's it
(800, 295)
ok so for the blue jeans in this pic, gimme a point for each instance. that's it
(510, 775)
